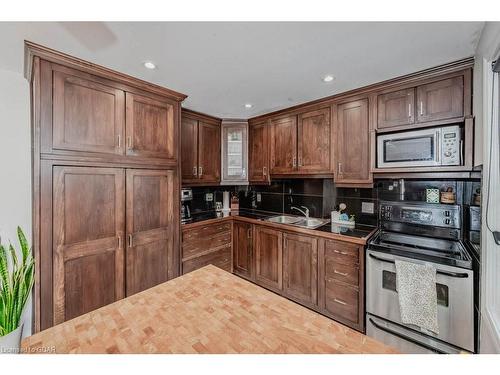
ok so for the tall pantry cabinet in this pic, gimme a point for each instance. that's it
(105, 184)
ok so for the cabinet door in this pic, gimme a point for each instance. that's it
(150, 127)
(313, 141)
(396, 108)
(242, 249)
(189, 149)
(258, 153)
(353, 146)
(300, 268)
(440, 100)
(208, 152)
(88, 115)
(88, 229)
(268, 248)
(234, 153)
(284, 145)
(150, 198)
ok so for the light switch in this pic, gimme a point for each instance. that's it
(209, 197)
(367, 207)
(259, 197)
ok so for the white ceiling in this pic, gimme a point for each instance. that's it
(222, 66)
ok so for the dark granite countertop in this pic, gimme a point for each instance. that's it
(359, 231)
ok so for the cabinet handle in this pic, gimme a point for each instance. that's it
(294, 161)
(194, 170)
(249, 233)
(340, 273)
(264, 171)
(300, 161)
(200, 171)
(340, 301)
(339, 168)
(340, 252)
(119, 141)
(409, 109)
(129, 143)
(129, 240)
(119, 242)
(421, 108)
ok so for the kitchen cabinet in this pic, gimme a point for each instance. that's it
(200, 150)
(149, 224)
(88, 239)
(440, 100)
(243, 249)
(258, 153)
(341, 282)
(234, 153)
(268, 250)
(300, 268)
(206, 244)
(106, 219)
(301, 145)
(352, 147)
(396, 108)
(314, 141)
(283, 145)
(150, 130)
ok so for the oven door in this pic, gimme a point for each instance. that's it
(454, 293)
(420, 148)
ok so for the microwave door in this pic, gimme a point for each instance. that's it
(409, 149)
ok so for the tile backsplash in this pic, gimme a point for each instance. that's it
(321, 196)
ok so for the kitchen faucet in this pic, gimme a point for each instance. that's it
(304, 212)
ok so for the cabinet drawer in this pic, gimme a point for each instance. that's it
(200, 233)
(348, 274)
(220, 258)
(193, 247)
(342, 252)
(342, 301)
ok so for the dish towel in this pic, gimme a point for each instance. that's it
(416, 286)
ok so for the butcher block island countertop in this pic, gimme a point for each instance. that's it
(206, 311)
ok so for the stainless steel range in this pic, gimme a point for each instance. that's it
(420, 233)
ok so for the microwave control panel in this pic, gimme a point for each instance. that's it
(450, 145)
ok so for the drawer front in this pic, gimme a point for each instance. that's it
(342, 301)
(335, 271)
(342, 252)
(220, 258)
(191, 248)
(201, 233)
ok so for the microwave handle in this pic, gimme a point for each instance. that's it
(438, 146)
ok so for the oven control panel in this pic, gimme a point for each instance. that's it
(423, 214)
(451, 145)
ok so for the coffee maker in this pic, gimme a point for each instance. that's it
(186, 198)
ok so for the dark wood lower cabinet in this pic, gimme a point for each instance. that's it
(268, 249)
(300, 268)
(242, 249)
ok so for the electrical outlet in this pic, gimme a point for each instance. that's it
(209, 197)
(259, 197)
(367, 207)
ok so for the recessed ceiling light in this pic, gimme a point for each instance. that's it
(248, 105)
(149, 65)
(328, 78)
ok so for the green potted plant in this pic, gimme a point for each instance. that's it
(16, 282)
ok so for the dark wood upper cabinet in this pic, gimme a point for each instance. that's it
(268, 251)
(440, 100)
(300, 268)
(88, 114)
(396, 108)
(189, 149)
(258, 152)
(88, 239)
(209, 152)
(150, 129)
(150, 216)
(283, 145)
(352, 143)
(314, 142)
(242, 249)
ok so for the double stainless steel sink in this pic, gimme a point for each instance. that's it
(299, 221)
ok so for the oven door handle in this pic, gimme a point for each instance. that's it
(459, 275)
(401, 336)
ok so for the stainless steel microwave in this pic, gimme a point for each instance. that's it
(420, 148)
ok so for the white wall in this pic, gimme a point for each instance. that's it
(15, 162)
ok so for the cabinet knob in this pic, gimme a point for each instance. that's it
(194, 171)
(264, 171)
(200, 171)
